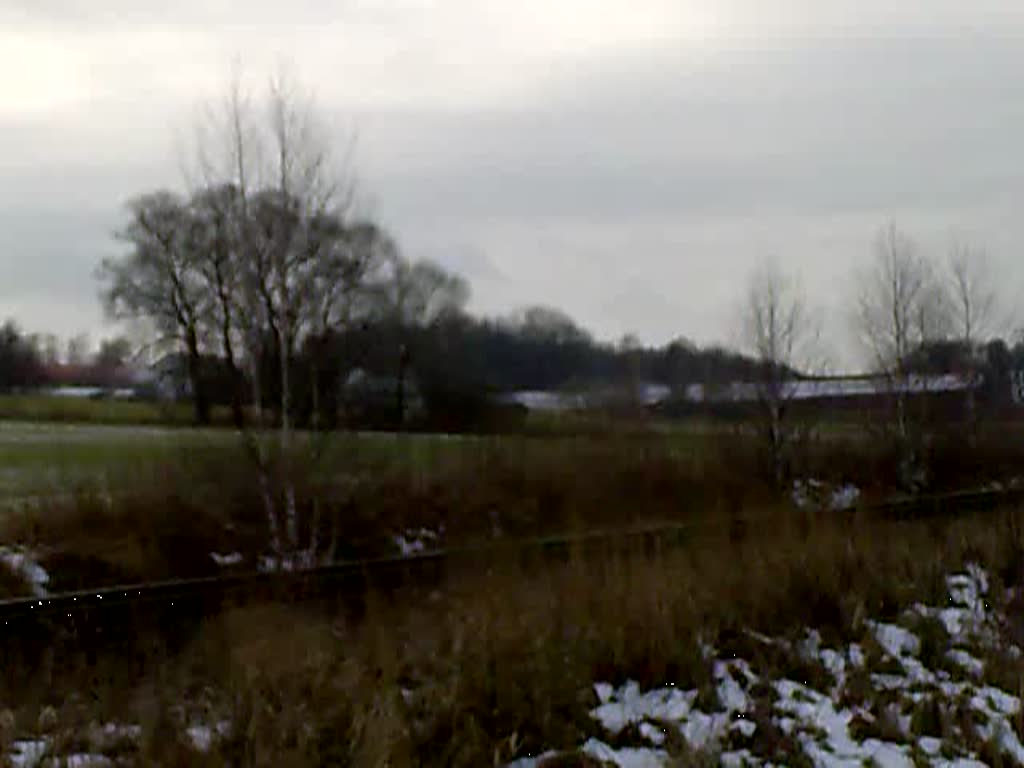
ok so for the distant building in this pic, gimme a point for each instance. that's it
(836, 388)
(643, 394)
(91, 381)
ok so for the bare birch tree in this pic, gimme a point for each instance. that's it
(781, 331)
(898, 309)
(288, 268)
(974, 309)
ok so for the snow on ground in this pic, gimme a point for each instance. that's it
(414, 541)
(226, 560)
(26, 754)
(815, 494)
(203, 737)
(38, 753)
(34, 754)
(874, 711)
(22, 564)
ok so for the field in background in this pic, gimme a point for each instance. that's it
(84, 410)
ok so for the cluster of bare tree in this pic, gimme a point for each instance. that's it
(260, 259)
(908, 306)
(264, 255)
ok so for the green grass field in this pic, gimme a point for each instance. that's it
(51, 443)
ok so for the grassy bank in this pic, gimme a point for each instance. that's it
(502, 664)
(83, 410)
(151, 504)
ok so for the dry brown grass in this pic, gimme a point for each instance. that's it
(173, 516)
(500, 661)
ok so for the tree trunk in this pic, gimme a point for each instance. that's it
(237, 412)
(972, 413)
(195, 376)
(291, 513)
(266, 489)
(403, 359)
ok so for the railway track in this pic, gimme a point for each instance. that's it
(94, 609)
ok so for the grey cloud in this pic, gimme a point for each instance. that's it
(633, 188)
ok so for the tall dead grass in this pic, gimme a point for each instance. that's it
(499, 660)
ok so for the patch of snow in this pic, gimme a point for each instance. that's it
(973, 665)
(806, 493)
(819, 726)
(653, 734)
(1002, 734)
(202, 737)
(994, 700)
(226, 561)
(413, 542)
(745, 728)
(24, 566)
(627, 757)
(628, 707)
(701, 730)
(815, 494)
(730, 694)
(80, 761)
(895, 640)
(27, 754)
(856, 655)
(300, 561)
(120, 731)
(844, 497)
(738, 759)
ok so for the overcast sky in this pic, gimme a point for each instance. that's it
(626, 161)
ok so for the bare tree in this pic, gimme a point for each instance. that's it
(900, 308)
(156, 280)
(974, 310)
(782, 333)
(215, 216)
(287, 264)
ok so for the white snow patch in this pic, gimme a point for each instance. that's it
(895, 640)
(27, 754)
(653, 734)
(627, 757)
(856, 656)
(815, 494)
(225, 561)
(806, 493)
(738, 759)
(819, 726)
(730, 694)
(973, 665)
(203, 737)
(413, 542)
(24, 566)
(844, 497)
(628, 707)
(301, 561)
(80, 761)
